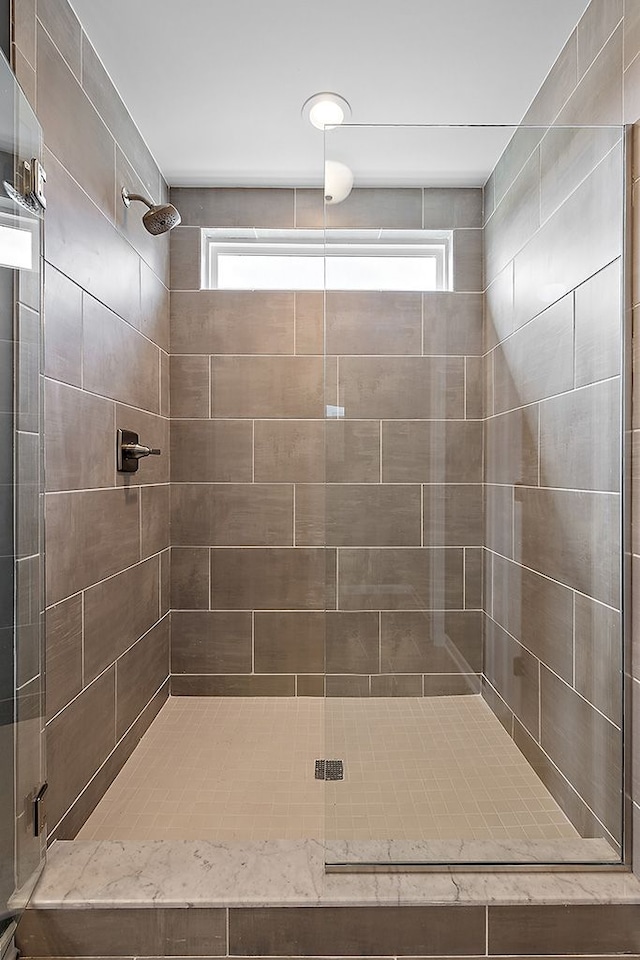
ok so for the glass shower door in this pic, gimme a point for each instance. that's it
(21, 545)
(473, 502)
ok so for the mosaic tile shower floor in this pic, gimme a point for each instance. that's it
(243, 769)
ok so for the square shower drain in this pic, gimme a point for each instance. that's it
(329, 770)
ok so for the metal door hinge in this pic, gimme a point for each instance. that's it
(39, 811)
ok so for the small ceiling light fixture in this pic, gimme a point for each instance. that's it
(326, 110)
(338, 181)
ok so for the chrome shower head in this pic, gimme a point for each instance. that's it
(159, 218)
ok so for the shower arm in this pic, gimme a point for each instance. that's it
(128, 197)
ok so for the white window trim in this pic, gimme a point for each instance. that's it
(320, 243)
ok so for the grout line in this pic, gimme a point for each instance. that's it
(106, 760)
(209, 386)
(550, 669)
(545, 576)
(573, 639)
(464, 578)
(294, 492)
(82, 673)
(486, 930)
(253, 451)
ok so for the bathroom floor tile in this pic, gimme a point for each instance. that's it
(439, 768)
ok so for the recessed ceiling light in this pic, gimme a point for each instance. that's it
(326, 110)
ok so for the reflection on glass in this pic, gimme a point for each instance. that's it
(474, 658)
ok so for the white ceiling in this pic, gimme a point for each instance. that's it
(216, 86)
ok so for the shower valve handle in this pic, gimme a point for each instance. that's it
(133, 451)
(129, 451)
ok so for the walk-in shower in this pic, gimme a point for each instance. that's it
(397, 508)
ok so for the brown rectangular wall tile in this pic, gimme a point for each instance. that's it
(598, 656)
(431, 452)
(232, 515)
(557, 87)
(74, 758)
(537, 611)
(511, 447)
(273, 387)
(68, 827)
(357, 931)
(594, 29)
(190, 578)
(185, 258)
(63, 329)
(584, 234)
(453, 514)
(373, 323)
(154, 520)
(448, 207)
(212, 451)
(516, 219)
(308, 451)
(571, 537)
(561, 790)
(567, 929)
(580, 438)
(232, 322)
(288, 642)
(76, 932)
(63, 652)
(352, 642)
(537, 361)
(209, 685)
(272, 579)
(140, 673)
(234, 207)
(513, 671)
(585, 746)
(339, 515)
(77, 135)
(364, 208)
(118, 362)
(473, 578)
(451, 685)
(404, 578)
(70, 413)
(347, 686)
(468, 260)
(90, 536)
(598, 97)
(189, 386)
(392, 685)
(452, 324)
(117, 612)
(598, 326)
(80, 241)
(204, 641)
(421, 642)
(402, 388)
(567, 156)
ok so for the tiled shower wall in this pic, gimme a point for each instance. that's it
(106, 365)
(552, 467)
(261, 481)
